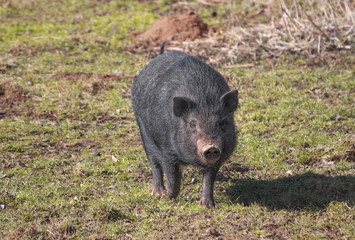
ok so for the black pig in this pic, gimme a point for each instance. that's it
(184, 110)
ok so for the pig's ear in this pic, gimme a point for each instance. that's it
(230, 100)
(181, 105)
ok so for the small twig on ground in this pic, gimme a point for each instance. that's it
(317, 27)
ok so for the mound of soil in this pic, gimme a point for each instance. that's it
(178, 28)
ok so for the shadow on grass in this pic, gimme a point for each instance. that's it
(306, 191)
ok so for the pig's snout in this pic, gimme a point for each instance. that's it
(211, 153)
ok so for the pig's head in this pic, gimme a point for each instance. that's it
(206, 134)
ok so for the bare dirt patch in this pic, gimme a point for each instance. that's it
(10, 96)
(99, 76)
(57, 116)
(23, 51)
(178, 28)
(77, 147)
(100, 82)
(5, 67)
(25, 233)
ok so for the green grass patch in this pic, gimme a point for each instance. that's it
(72, 164)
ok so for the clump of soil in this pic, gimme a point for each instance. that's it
(101, 79)
(99, 76)
(11, 95)
(179, 28)
(6, 67)
(23, 51)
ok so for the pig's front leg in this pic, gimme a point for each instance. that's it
(209, 176)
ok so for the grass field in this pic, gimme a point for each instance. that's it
(72, 165)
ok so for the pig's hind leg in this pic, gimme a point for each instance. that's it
(154, 160)
(158, 182)
(173, 173)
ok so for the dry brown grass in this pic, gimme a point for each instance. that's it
(309, 28)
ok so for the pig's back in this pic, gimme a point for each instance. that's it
(175, 73)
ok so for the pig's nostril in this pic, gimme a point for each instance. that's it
(212, 153)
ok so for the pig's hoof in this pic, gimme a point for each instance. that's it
(172, 195)
(207, 203)
(158, 190)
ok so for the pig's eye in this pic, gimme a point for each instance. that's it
(222, 125)
(193, 124)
